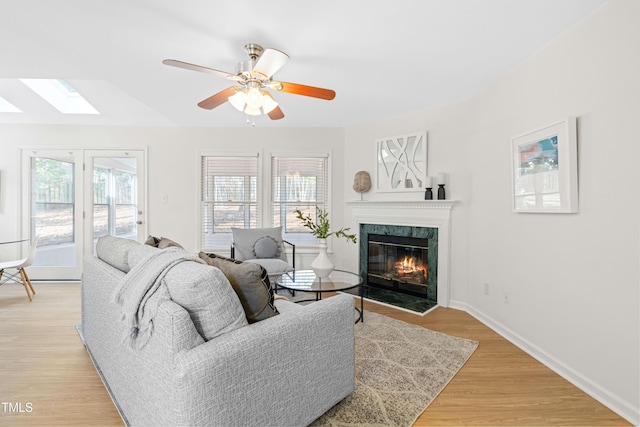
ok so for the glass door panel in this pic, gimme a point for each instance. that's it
(51, 212)
(53, 208)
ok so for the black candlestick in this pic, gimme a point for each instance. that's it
(440, 191)
(428, 195)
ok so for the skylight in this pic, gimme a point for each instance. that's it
(7, 107)
(61, 95)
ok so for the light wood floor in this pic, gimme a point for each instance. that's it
(42, 362)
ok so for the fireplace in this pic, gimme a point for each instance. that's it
(429, 219)
(398, 263)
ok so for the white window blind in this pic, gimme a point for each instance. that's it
(228, 197)
(298, 183)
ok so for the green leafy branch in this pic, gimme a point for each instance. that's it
(322, 229)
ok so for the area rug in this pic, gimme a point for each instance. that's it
(400, 369)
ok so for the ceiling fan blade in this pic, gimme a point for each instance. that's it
(270, 61)
(315, 92)
(217, 99)
(275, 114)
(199, 68)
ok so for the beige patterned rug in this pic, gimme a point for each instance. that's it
(400, 369)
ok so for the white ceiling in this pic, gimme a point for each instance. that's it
(383, 58)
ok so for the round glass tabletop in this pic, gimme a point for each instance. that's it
(307, 281)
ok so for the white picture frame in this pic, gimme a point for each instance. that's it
(401, 162)
(544, 169)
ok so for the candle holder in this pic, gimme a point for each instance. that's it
(428, 194)
(441, 192)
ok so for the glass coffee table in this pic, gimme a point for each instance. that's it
(307, 281)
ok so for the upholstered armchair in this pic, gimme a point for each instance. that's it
(263, 246)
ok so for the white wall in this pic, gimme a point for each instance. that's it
(572, 279)
(173, 155)
(573, 283)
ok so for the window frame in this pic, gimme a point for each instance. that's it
(223, 239)
(299, 238)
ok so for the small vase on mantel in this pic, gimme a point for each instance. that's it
(322, 265)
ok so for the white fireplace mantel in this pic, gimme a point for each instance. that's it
(417, 213)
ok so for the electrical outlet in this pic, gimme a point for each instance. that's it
(486, 288)
(505, 297)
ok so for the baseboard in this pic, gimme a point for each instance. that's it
(618, 405)
(458, 305)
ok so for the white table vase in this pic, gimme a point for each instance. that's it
(322, 265)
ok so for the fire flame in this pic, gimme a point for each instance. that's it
(408, 265)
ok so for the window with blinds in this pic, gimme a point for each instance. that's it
(297, 183)
(228, 197)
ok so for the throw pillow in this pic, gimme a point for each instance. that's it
(244, 240)
(152, 241)
(251, 283)
(161, 242)
(266, 247)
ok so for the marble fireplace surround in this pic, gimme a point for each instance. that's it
(427, 213)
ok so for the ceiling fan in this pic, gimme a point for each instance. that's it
(253, 78)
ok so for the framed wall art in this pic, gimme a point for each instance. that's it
(401, 162)
(545, 169)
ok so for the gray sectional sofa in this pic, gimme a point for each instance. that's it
(203, 363)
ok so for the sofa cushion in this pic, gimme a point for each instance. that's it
(206, 294)
(274, 266)
(244, 240)
(251, 283)
(115, 251)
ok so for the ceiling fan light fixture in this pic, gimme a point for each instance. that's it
(252, 111)
(254, 98)
(269, 104)
(238, 100)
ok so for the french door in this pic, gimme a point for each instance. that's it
(72, 198)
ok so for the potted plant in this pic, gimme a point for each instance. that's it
(321, 229)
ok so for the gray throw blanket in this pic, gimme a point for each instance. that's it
(138, 294)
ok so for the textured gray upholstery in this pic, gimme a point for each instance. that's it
(208, 297)
(283, 371)
(115, 250)
(138, 253)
